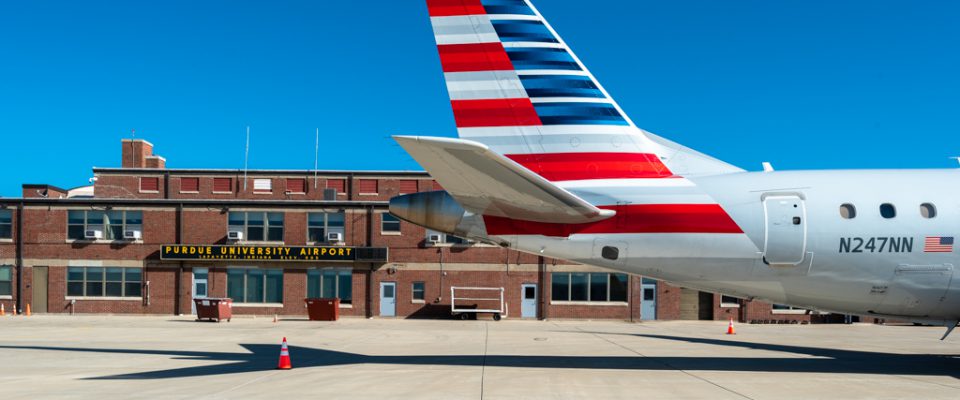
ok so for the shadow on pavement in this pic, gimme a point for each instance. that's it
(260, 357)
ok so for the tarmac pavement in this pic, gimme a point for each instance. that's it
(140, 357)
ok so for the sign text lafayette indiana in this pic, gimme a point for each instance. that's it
(267, 253)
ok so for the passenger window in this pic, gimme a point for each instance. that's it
(848, 211)
(928, 210)
(888, 211)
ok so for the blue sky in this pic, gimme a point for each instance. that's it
(805, 85)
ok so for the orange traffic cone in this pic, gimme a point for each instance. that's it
(284, 356)
(3, 312)
(28, 309)
(730, 330)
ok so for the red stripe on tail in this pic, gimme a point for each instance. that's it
(499, 112)
(582, 166)
(474, 57)
(638, 218)
(446, 8)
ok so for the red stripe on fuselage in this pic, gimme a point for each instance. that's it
(582, 166)
(474, 57)
(497, 112)
(637, 218)
(446, 8)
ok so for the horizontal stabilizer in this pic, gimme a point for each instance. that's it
(488, 183)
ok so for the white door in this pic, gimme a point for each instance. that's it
(648, 299)
(786, 239)
(528, 300)
(199, 286)
(388, 299)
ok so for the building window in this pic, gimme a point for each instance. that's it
(6, 224)
(389, 223)
(418, 290)
(189, 185)
(6, 280)
(592, 287)
(408, 186)
(368, 186)
(257, 226)
(319, 224)
(785, 309)
(111, 223)
(339, 184)
(262, 185)
(253, 285)
(104, 282)
(222, 185)
(848, 211)
(445, 238)
(296, 185)
(927, 211)
(149, 184)
(888, 211)
(330, 283)
(729, 301)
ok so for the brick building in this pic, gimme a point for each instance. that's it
(145, 239)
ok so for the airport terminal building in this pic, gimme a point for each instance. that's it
(146, 239)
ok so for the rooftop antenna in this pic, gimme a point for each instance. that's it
(246, 156)
(316, 158)
(133, 133)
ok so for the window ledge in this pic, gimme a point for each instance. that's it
(418, 301)
(382, 233)
(150, 191)
(82, 298)
(104, 241)
(590, 303)
(252, 305)
(729, 305)
(368, 194)
(215, 192)
(262, 192)
(6, 297)
(189, 192)
(258, 243)
(346, 305)
(5, 240)
(789, 312)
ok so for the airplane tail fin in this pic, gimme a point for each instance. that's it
(516, 87)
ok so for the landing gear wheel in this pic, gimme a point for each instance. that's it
(496, 317)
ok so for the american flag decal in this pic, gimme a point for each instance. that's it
(938, 244)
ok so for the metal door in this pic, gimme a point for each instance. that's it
(199, 286)
(39, 286)
(648, 299)
(528, 300)
(388, 299)
(786, 237)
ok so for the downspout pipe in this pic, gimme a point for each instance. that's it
(19, 259)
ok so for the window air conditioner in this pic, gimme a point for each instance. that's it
(433, 238)
(335, 237)
(235, 235)
(93, 234)
(132, 234)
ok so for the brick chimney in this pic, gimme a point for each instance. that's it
(138, 153)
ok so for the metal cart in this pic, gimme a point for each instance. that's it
(472, 301)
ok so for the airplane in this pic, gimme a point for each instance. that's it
(547, 163)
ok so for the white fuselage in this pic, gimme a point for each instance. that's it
(867, 264)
